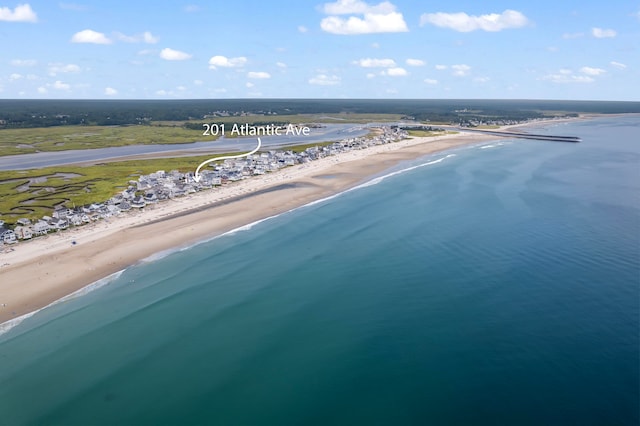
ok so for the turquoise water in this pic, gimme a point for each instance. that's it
(496, 284)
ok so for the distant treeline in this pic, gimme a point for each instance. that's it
(44, 113)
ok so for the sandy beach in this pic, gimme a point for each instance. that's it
(39, 272)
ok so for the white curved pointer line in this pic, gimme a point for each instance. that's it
(197, 176)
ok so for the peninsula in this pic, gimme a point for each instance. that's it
(165, 210)
(46, 269)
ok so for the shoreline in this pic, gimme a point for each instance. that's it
(43, 271)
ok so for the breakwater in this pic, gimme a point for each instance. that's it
(520, 135)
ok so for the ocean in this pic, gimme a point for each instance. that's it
(494, 284)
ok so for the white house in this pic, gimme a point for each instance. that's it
(138, 202)
(41, 227)
(9, 237)
(59, 224)
(23, 232)
(23, 221)
(124, 206)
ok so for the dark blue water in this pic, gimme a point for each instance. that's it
(491, 285)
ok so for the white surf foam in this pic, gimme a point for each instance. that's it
(379, 179)
(493, 145)
(159, 255)
(8, 325)
(251, 225)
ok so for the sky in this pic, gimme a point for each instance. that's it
(582, 50)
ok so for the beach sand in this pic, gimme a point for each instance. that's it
(39, 272)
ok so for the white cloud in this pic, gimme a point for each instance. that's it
(375, 63)
(395, 72)
(325, 80)
(617, 65)
(302, 28)
(572, 79)
(603, 33)
(415, 62)
(59, 85)
(21, 13)
(481, 79)
(464, 23)
(90, 36)
(380, 18)
(173, 55)
(441, 67)
(460, 70)
(149, 38)
(592, 71)
(371, 24)
(198, 82)
(23, 62)
(258, 74)
(370, 75)
(281, 65)
(145, 37)
(163, 92)
(58, 68)
(249, 85)
(223, 61)
(42, 90)
(431, 81)
(375, 45)
(15, 76)
(192, 8)
(567, 76)
(110, 91)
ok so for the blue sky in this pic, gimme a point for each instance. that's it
(310, 49)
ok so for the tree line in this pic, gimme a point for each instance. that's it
(45, 113)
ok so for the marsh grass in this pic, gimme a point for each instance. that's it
(84, 185)
(62, 138)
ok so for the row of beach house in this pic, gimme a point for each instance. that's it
(160, 186)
